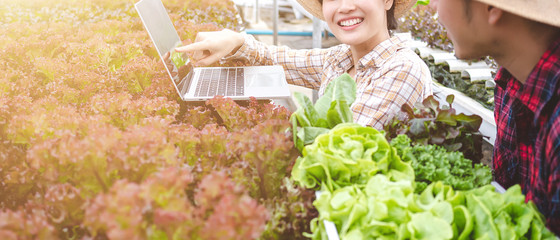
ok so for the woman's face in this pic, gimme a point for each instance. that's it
(359, 23)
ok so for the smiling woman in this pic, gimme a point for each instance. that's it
(387, 73)
(360, 23)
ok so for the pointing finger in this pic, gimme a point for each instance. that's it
(197, 46)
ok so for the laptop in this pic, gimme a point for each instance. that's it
(203, 83)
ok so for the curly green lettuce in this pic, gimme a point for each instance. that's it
(384, 209)
(346, 155)
(433, 163)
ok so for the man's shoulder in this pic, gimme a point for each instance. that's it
(551, 126)
(549, 66)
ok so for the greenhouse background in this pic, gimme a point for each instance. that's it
(95, 143)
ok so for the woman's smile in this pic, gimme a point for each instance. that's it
(350, 22)
(362, 24)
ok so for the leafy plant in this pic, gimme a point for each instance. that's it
(482, 212)
(178, 59)
(332, 108)
(422, 23)
(27, 222)
(160, 208)
(348, 154)
(292, 211)
(475, 90)
(432, 163)
(383, 209)
(430, 123)
(391, 210)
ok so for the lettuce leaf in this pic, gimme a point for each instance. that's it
(348, 154)
(433, 163)
(331, 109)
(342, 88)
(425, 225)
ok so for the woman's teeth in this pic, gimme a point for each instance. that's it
(350, 22)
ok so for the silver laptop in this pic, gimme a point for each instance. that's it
(202, 83)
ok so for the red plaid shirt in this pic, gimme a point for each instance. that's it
(527, 148)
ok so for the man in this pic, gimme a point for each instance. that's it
(523, 36)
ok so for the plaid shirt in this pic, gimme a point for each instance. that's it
(386, 78)
(527, 148)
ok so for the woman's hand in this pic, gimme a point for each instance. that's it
(210, 47)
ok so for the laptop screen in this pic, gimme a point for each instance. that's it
(162, 32)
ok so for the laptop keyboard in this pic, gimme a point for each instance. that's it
(220, 81)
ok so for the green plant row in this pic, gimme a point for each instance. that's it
(475, 90)
(430, 122)
(371, 190)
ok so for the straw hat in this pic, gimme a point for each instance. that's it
(315, 8)
(544, 11)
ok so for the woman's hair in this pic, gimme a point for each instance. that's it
(391, 20)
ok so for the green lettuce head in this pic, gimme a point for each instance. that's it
(348, 154)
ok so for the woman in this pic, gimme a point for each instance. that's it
(387, 73)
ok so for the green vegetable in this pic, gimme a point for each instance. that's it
(463, 223)
(375, 211)
(433, 163)
(368, 192)
(178, 59)
(430, 123)
(332, 108)
(346, 155)
(492, 215)
(342, 88)
(388, 209)
(484, 226)
(427, 226)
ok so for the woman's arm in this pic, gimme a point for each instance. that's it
(209, 47)
(302, 67)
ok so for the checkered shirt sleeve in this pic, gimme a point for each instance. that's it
(388, 77)
(302, 67)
